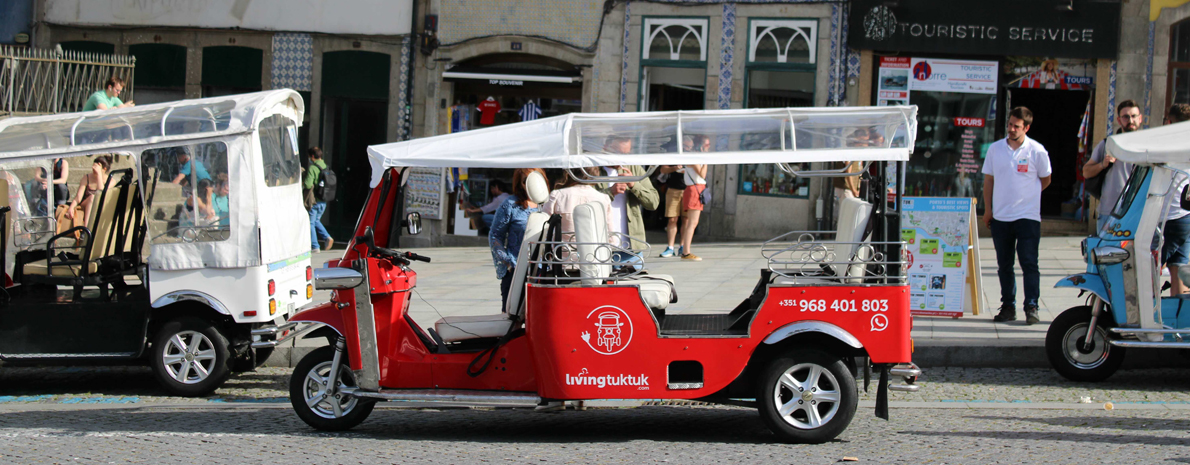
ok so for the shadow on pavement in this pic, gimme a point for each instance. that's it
(670, 424)
(1124, 423)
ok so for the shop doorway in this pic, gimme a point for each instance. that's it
(1057, 115)
(354, 116)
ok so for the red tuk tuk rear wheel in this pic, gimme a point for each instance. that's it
(1074, 360)
(807, 396)
(320, 407)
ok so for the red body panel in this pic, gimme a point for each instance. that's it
(326, 313)
(579, 354)
(600, 342)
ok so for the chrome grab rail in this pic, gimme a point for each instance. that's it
(274, 330)
(566, 254)
(807, 257)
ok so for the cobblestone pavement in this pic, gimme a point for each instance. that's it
(118, 415)
(136, 385)
(255, 434)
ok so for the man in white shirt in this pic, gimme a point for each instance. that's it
(1015, 171)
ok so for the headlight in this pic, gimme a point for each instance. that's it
(1107, 255)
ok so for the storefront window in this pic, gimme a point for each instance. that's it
(953, 132)
(780, 73)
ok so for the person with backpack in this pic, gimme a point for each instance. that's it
(1105, 176)
(318, 188)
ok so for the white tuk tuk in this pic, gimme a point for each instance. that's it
(196, 237)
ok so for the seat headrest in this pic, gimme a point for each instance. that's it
(537, 188)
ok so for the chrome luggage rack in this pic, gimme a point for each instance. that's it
(811, 259)
(559, 262)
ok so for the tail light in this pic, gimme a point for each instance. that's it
(272, 307)
(272, 288)
(309, 273)
(309, 291)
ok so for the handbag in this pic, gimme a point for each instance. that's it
(1095, 183)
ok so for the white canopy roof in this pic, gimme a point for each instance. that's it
(181, 120)
(780, 135)
(1166, 144)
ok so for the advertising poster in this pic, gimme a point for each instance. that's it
(937, 232)
(423, 192)
(893, 87)
(953, 75)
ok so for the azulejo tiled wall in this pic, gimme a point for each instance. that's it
(573, 22)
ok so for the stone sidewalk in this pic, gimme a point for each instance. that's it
(461, 281)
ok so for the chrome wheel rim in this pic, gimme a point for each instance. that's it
(189, 357)
(326, 402)
(1077, 355)
(807, 396)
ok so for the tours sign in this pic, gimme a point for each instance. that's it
(1080, 29)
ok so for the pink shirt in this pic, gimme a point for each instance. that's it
(563, 201)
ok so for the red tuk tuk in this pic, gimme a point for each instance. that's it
(829, 305)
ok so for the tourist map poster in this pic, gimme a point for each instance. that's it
(423, 192)
(937, 232)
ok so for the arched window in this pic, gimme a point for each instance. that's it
(781, 68)
(673, 64)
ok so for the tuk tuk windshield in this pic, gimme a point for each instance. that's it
(1135, 181)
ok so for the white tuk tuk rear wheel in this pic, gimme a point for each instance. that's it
(807, 396)
(1074, 360)
(324, 408)
(190, 357)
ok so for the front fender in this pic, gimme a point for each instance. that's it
(327, 314)
(800, 327)
(1086, 281)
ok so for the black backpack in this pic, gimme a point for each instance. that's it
(324, 188)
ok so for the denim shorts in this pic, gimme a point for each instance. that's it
(1176, 250)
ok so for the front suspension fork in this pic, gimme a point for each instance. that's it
(332, 380)
(1096, 308)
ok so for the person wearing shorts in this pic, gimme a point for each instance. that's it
(696, 183)
(675, 187)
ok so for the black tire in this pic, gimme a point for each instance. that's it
(1070, 358)
(262, 355)
(832, 395)
(321, 416)
(190, 357)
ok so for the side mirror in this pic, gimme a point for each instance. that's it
(413, 223)
(337, 278)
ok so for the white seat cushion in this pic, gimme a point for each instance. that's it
(657, 290)
(458, 328)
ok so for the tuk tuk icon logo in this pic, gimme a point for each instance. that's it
(613, 330)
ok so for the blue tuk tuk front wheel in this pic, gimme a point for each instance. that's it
(1071, 357)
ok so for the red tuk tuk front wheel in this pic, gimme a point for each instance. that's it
(316, 403)
(807, 396)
